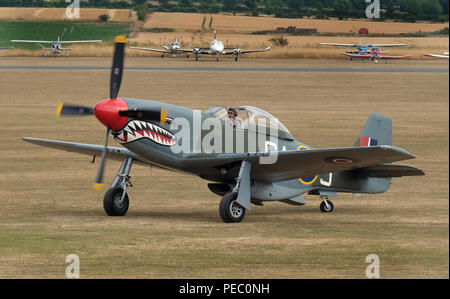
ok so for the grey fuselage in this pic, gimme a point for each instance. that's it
(150, 141)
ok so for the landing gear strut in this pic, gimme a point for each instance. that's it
(116, 201)
(326, 206)
(234, 204)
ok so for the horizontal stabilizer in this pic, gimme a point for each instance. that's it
(392, 170)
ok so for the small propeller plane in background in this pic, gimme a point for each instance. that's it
(216, 47)
(173, 49)
(370, 51)
(56, 47)
(445, 55)
(147, 131)
(4, 48)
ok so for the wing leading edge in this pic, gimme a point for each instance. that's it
(115, 153)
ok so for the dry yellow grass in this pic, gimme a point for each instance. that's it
(173, 229)
(299, 46)
(245, 24)
(58, 14)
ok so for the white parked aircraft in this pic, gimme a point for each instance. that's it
(216, 47)
(55, 46)
(437, 55)
(173, 48)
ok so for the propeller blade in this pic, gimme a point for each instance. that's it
(73, 110)
(98, 185)
(153, 115)
(117, 67)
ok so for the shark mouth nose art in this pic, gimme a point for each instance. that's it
(137, 129)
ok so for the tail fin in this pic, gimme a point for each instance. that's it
(377, 131)
(215, 35)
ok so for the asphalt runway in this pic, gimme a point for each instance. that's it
(232, 69)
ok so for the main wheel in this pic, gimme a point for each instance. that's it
(324, 208)
(113, 203)
(230, 210)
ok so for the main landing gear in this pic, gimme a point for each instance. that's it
(230, 210)
(233, 205)
(116, 200)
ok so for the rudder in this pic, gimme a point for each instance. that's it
(377, 131)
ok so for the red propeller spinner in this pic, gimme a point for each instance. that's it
(107, 112)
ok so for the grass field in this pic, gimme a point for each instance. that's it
(232, 30)
(59, 14)
(29, 30)
(245, 24)
(173, 229)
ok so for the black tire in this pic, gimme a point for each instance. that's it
(112, 202)
(236, 58)
(324, 209)
(230, 211)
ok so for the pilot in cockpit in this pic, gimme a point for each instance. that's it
(231, 121)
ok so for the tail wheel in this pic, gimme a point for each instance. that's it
(113, 203)
(230, 210)
(324, 208)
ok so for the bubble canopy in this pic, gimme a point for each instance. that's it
(251, 118)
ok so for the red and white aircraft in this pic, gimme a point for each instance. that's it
(374, 54)
(437, 55)
(371, 51)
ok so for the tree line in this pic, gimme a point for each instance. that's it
(397, 10)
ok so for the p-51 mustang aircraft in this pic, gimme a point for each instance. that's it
(152, 133)
(56, 47)
(370, 51)
(173, 48)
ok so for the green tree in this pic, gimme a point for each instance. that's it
(342, 8)
(432, 9)
(230, 5)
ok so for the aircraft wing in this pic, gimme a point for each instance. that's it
(392, 170)
(32, 41)
(115, 153)
(338, 44)
(388, 45)
(150, 49)
(164, 51)
(248, 51)
(394, 57)
(436, 55)
(295, 164)
(80, 41)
